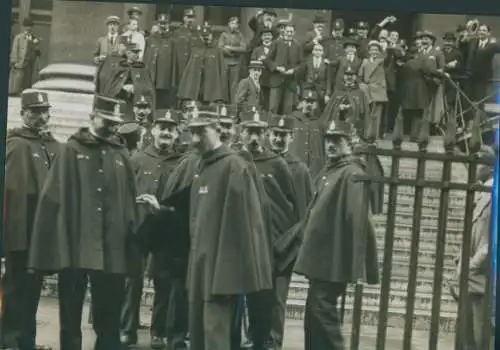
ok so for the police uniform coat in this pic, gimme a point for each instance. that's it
(339, 243)
(159, 59)
(87, 211)
(28, 158)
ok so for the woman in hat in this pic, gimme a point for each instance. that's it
(24, 57)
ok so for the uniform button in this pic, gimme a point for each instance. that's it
(156, 180)
(99, 209)
(103, 152)
(99, 189)
(100, 170)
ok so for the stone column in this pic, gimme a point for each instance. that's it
(75, 28)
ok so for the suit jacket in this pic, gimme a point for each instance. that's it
(317, 79)
(373, 80)
(285, 55)
(23, 63)
(480, 61)
(247, 94)
(104, 47)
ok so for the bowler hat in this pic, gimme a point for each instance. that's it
(374, 43)
(113, 19)
(34, 99)
(318, 18)
(167, 116)
(281, 123)
(253, 119)
(204, 116)
(109, 108)
(351, 42)
(427, 34)
(134, 10)
(283, 22)
(27, 22)
(256, 65)
(341, 127)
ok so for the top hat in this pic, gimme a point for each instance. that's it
(256, 65)
(163, 18)
(362, 25)
(142, 101)
(167, 116)
(189, 12)
(109, 108)
(338, 24)
(134, 11)
(27, 22)
(310, 95)
(253, 119)
(281, 123)
(449, 36)
(341, 128)
(113, 19)
(34, 99)
(269, 11)
(204, 116)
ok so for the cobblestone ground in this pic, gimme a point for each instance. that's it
(49, 326)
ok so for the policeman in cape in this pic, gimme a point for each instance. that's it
(169, 252)
(281, 199)
(91, 188)
(280, 136)
(30, 152)
(130, 79)
(338, 228)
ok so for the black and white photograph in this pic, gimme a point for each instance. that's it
(225, 178)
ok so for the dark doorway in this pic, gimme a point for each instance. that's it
(406, 24)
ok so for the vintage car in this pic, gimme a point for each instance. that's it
(70, 88)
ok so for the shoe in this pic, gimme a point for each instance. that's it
(128, 339)
(157, 343)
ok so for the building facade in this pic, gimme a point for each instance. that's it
(69, 29)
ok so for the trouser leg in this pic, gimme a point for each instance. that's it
(260, 308)
(107, 300)
(279, 310)
(131, 306)
(177, 315)
(162, 287)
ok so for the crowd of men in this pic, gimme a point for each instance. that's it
(218, 201)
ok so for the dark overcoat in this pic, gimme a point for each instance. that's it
(159, 59)
(87, 209)
(28, 158)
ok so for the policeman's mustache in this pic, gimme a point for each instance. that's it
(225, 136)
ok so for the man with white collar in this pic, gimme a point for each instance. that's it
(109, 43)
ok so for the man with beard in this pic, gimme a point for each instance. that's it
(222, 265)
(316, 36)
(309, 124)
(83, 227)
(30, 152)
(338, 228)
(334, 51)
(234, 47)
(284, 61)
(186, 37)
(283, 212)
(280, 137)
(159, 59)
(153, 166)
(204, 78)
(249, 91)
(129, 80)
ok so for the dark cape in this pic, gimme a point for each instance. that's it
(28, 158)
(105, 70)
(302, 182)
(204, 78)
(125, 73)
(87, 210)
(159, 59)
(277, 181)
(227, 229)
(339, 242)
